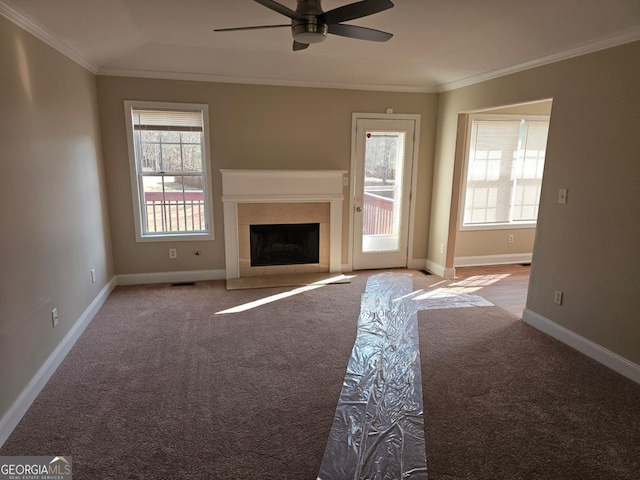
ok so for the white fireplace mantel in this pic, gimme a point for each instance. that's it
(280, 186)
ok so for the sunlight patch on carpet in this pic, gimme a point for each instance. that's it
(287, 280)
(323, 282)
(448, 298)
(272, 298)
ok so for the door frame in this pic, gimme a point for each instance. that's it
(415, 117)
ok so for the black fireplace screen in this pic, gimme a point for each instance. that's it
(285, 244)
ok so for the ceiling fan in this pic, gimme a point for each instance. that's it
(310, 24)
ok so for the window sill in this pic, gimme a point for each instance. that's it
(189, 237)
(510, 226)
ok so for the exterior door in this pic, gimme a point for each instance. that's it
(384, 152)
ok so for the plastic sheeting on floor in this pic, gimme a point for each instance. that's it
(378, 427)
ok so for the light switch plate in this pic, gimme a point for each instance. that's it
(562, 195)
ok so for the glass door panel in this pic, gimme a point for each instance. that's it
(383, 168)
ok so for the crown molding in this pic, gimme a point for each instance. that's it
(41, 33)
(595, 46)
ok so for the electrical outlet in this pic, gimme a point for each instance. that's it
(510, 239)
(173, 253)
(54, 317)
(557, 298)
(93, 275)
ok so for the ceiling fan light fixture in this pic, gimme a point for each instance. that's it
(311, 24)
(309, 33)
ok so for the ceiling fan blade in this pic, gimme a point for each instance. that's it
(257, 27)
(355, 10)
(360, 33)
(276, 7)
(299, 46)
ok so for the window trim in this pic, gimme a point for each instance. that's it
(134, 173)
(465, 168)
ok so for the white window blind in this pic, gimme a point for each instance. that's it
(504, 171)
(167, 119)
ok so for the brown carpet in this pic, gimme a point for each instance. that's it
(505, 401)
(159, 386)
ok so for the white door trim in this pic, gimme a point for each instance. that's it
(414, 177)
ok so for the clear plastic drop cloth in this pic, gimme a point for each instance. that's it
(378, 427)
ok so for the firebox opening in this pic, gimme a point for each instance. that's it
(284, 244)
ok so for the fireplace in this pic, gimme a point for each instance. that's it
(286, 217)
(281, 197)
(284, 244)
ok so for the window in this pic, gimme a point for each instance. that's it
(505, 163)
(168, 150)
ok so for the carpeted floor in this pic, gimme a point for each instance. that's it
(160, 386)
(505, 401)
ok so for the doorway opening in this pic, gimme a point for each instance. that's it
(499, 165)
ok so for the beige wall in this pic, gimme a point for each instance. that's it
(488, 243)
(535, 108)
(587, 248)
(53, 204)
(252, 126)
(478, 243)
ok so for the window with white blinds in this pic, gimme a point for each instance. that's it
(505, 163)
(169, 159)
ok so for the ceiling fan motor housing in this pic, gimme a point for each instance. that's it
(309, 32)
(312, 30)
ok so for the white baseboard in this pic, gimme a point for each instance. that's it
(440, 270)
(11, 419)
(412, 264)
(170, 277)
(600, 354)
(479, 260)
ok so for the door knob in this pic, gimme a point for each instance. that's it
(358, 209)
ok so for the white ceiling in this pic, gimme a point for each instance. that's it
(437, 44)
